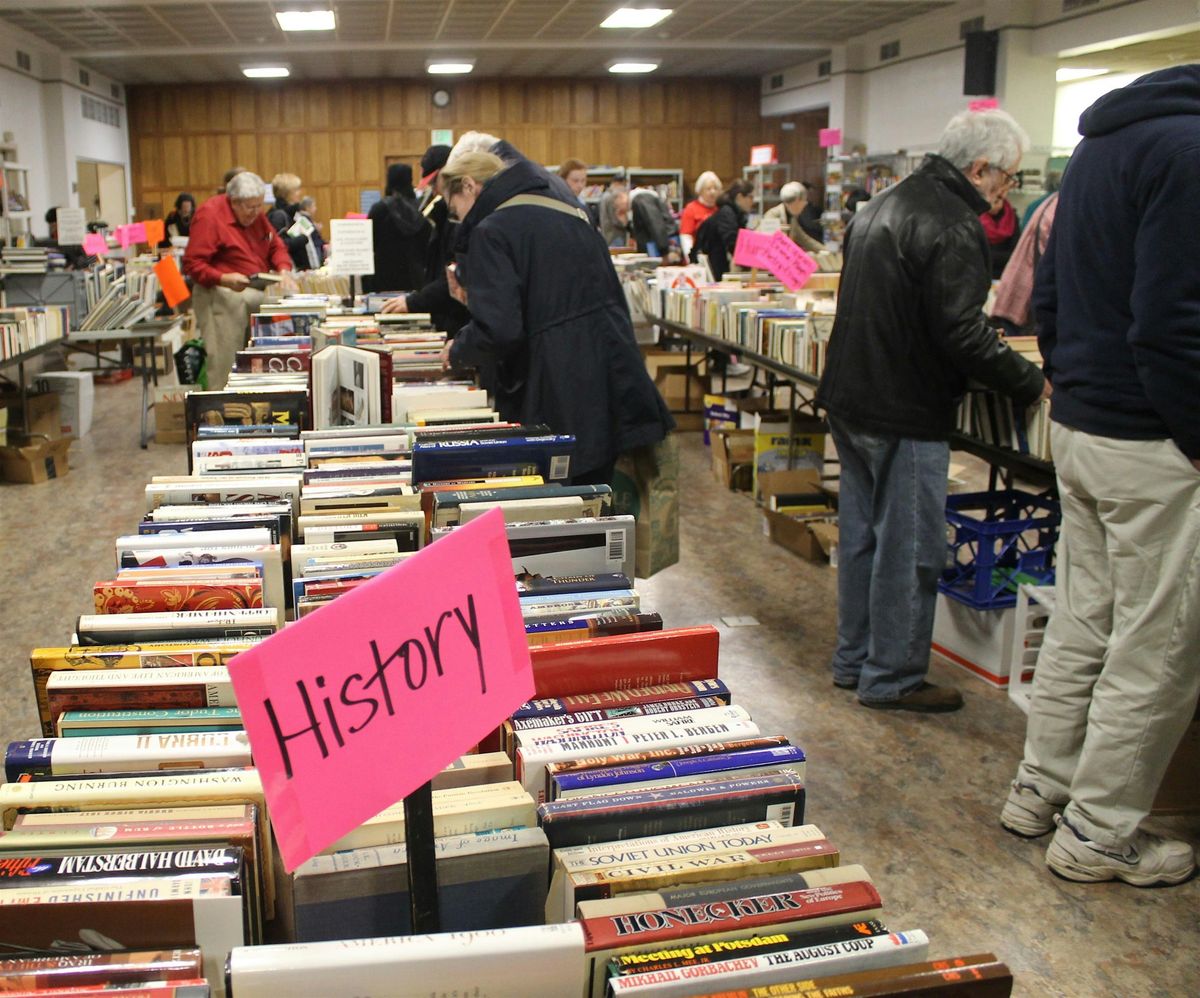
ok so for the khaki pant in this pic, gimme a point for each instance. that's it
(1119, 671)
(223, 317)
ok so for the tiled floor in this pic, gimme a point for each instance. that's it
(912, 798)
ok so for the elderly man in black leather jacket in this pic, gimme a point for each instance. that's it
(909, 333)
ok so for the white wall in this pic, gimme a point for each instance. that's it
(43, 109)
(1075, 98)
(906, 106)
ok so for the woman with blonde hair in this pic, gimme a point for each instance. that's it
(549, 327)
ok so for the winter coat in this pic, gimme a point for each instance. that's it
(281, 218)
(1117, 293)
(790, 224)
(549, 319)
(401, 235)
(717, 237)
(910, 328)
(434, 295)
(651, 220)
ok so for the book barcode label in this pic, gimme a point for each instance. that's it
(560, 466)
(785, 814)
(616, 546)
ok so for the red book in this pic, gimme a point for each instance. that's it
(144, 596)
(626, 661)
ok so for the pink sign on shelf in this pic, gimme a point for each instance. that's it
(984, 104)
(123, 235)
(137, 232)
(355, 214)
(828, 137)
(95, 244)
(788, 262)
(750, 248)
(354, 707)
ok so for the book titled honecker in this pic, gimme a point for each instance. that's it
(793, 911)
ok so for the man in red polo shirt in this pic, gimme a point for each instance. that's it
(230, 240)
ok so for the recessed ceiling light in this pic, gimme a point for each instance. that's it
(1066, 74)
(633, 67)
(265, 72)
(450, 67)
(636, 17)
(306, 20)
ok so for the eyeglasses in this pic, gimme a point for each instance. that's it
(1010, 179)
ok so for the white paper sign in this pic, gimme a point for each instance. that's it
(352, 246)
(72, 226)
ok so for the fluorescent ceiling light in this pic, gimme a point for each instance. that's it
(306, 20)
(636, 17)
(633, 67)
(450, 67)
(265, 72)
(1067, 74)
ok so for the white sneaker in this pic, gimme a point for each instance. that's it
(1149, 860)
(1027, 813)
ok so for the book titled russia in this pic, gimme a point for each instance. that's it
(501, 963)
(446, 460)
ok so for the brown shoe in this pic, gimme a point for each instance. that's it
(925, 699)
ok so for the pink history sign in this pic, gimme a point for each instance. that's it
(353, 707)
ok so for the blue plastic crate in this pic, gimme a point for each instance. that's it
(995, 541)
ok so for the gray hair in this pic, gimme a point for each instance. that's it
(793, 190)
(245, 186)
(708, 179)
(471, 142)
(992, 135)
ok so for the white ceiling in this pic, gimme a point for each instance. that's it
(164, 41)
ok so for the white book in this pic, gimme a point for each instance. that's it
(192, 538)
(524, 510)
(133, 628)
(217, 511)
(222, 464)
(850, 956)
(130, 753)
(186, 490)
(537, 960)
(301, 553)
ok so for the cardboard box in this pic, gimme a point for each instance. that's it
(720, 413)
(978, 641)
(43, 413)
(733, 458)
(34, 460)
(679, 385)
(776, 450)
(170, 424)
(812, 539)
(76, 399)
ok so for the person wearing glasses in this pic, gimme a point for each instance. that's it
(1001, 225)
(909, 332)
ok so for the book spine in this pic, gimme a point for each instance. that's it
(669, 752)
(110, 597)
(31, 869)
(94, 969)
(786, 756)
(138, 753)
(650, 709)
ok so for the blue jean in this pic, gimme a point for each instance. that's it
(891, 550)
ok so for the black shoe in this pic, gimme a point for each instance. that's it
(846, 684)
(925, 699)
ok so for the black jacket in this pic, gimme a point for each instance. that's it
(717, 236)
(281, 218)
(401, 235)
(910, 328)
(810, 222)
(1117, 294)
(651, 220)
(434, 296)
(549, 318)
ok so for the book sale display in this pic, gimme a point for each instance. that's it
(370, 704)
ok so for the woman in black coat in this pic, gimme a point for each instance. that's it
(718, 235)
(401, 235)
(548, 317)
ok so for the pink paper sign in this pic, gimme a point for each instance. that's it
(788, 262)
(827, 137)
(124, 236)
(356, 214)
(137, 233)
(749, 249)
(353, 707)
(984, 104)
(95, 244)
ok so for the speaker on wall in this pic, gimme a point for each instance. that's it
(979, 63)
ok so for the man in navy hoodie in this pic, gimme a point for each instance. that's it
(1117, 300)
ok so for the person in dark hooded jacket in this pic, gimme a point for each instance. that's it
(717, 237)
(548, 315)
(1116, 297)
(401, 235)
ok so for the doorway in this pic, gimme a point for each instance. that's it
(102, 194)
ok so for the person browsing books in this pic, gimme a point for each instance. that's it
(178, 222)
(549, 323)
(717, 237)
(786, 216)
(230, 241)
(908, 333)
(1116, 298)
(401, 235)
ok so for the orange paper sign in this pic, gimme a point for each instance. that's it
(174, 287)
(156, 231)
(353, 707)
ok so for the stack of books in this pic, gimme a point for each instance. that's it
(27, 328)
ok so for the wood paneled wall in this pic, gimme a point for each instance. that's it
(338, 136)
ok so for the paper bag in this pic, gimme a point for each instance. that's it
(646, 486)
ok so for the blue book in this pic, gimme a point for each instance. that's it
(551, 706)
(464, 458)
(696, 767)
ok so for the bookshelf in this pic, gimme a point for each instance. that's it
(667, 182)
(873, 173)
(768, 180)
(16, 218)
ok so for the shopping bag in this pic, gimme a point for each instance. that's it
(646, 485)
(191, 363)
